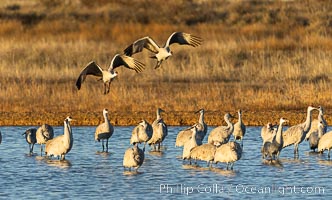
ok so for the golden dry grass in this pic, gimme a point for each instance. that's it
(258, 56)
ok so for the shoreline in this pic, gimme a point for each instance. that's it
(172, 118)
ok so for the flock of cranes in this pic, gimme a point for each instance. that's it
(223, 144)
(274, 139)
(219, 146)
(160, 53)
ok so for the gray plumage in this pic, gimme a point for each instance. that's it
(315, 136)
(141, 133)
(160, 131)
(133, 157)
(203, 128)
(204, 152)
(62, 144)
(162, 53)
(221, 134)
(184, 135)
(190, 144)
(325, 141)
(228, 153)
(44, 133)
(315, 123)
(104, 131)
(30, 137)
(268, 132)
(296, 134)
(273, 148)
(239, 129)
(108, 75)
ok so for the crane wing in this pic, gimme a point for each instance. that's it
(184, 38)
(126, 61)
(91, 69)
(140, 44)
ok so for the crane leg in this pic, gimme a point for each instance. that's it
(105, 88)
(31, 150)
(108, 87)
(296, 150)
(328, 155)
(107, 145)
(232, 164)
(144, 147)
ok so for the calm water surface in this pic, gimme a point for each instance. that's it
(88, 174)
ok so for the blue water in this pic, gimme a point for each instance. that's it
(88, 174)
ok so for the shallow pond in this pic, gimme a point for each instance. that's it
(88, 174)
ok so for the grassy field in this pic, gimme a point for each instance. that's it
(269, 58)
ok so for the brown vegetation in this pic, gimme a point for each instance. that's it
(260, 56)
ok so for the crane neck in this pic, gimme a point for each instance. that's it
(201, 118)
(229, 123)
(240, 117)
(321, 117)
(106, 117)
(307, 123)
(158, 114)
(67, 128)
(320, 130)
(279, 134)
(193, 135)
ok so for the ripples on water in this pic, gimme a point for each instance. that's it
(89, 174)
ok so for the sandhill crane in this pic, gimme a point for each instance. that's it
(62, 144)
(315, 123)
(296, 134)
(228, 153)
(159, 128)
(203, 124)
(141, 133)
(315, 136)
(133, 157)
(162, 53)
(268, 132)
(30, 137)
(325, 142)
(44, 133)
(204, 152)
(221, 134)
(108, 75)
(190, 144)
(239, 129)
(273, 148)
(104, 131)
(184, 135)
